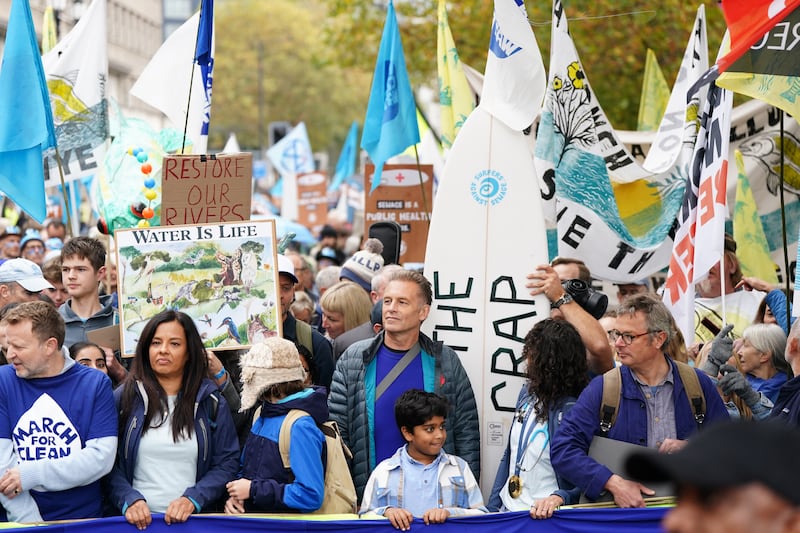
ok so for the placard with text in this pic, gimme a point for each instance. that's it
(403, 196)
(198, 189)
(312, 200)
(222, 275)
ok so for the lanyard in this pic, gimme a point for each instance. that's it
(528, 436)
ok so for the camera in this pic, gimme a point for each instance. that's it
(593, 302)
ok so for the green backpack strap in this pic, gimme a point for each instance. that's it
(609, 405)
(304, 337)
(694, 392)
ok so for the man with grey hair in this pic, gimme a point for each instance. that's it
(379, 281)
(367, 329)
(654, 407)
(326, 278)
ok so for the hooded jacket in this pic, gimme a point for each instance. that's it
(274, 488)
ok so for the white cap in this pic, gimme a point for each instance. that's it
(285, 266)
(26, 273)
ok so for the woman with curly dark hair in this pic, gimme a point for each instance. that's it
(557, 373)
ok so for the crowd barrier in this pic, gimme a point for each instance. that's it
(567, 520)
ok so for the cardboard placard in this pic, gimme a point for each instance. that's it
(222, 275)
(400, 198)
(312, 200)
(107, 337)
(198, 189)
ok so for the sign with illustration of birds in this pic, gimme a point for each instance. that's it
(222, 275)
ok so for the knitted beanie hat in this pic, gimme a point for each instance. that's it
(271, 361)
(364, 264)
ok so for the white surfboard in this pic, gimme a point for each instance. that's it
(487, 233)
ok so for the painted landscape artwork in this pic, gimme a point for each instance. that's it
(222, 275)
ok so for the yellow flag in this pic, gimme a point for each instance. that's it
(455, 95)
(655, 95)
(48, 30)
(780, 91)
(751, 249)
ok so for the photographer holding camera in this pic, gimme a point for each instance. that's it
(566, 285)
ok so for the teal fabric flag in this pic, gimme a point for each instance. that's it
(346, 166)
(26, 120)
(391, 122)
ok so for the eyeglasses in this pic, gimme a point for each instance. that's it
(627, 338)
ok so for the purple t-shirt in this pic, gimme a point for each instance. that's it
(387, 435)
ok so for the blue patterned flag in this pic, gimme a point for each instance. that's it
(391, 122)
(26, 120)
(346, 166)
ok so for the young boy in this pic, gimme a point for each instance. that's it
(83, 265)
(52, 273)
(420, 479)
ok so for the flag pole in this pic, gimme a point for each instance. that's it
(67, 203)
(783, 226)
(191, 82)
(422, 188)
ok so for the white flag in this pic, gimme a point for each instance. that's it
(77, 72)
(699, 240)
(292, 155)
(166, 81)
(515, 81)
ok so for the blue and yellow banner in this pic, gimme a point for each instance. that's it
(584, 520)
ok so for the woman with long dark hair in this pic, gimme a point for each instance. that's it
(177, 443)
(557, 373)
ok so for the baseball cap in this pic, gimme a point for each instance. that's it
(729, 455)
(285, 266)
(26, 273)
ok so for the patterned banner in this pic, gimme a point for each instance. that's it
(611, 211)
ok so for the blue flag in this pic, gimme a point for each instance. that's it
(204, 56)
(391, 122)
(346, 166)
(26, 120)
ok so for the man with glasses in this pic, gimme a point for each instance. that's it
(21, 281)
(654, 409)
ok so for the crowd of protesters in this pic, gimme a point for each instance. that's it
(178, 429)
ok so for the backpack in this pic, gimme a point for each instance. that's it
(340, 492)
(612, 384)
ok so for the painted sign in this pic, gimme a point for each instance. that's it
(222, 275)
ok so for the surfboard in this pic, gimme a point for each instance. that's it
(487, 233)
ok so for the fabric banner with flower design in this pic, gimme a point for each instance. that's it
(612, 212)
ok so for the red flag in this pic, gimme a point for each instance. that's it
(748, 21)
